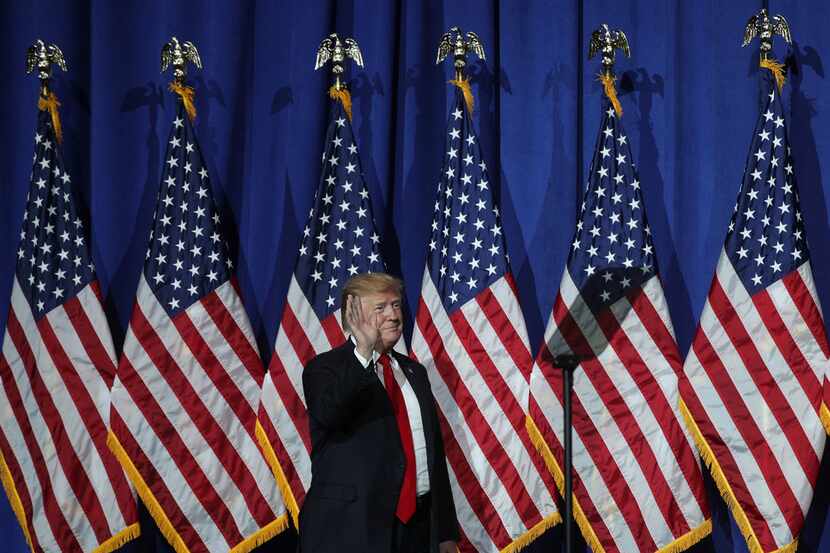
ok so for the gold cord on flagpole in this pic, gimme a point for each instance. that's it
(187, 94)
(464, 85)
(777, 70)
(50, 103)
(342, 95)
(607, 81)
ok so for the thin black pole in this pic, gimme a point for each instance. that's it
(568, 364)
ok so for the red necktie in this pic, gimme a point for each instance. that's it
(406, 500)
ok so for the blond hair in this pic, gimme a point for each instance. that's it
(367, 283)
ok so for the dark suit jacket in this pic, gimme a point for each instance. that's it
(357, 462)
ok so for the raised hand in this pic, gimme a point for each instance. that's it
(364, 327)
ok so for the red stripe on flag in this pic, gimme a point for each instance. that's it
(742, 421)
(285, 461)
(656, 328)
(768, 388)
(514, 412)
(215, 371)
(153, 479)
(100, 358)
(191, 402)
(489, 443)
(595, 445)
(18, 480)
(545, 364)
(57, 521)
(90, 340)
(95, 427)
(333, 331)
(803, 300)
(787, 347)
(477, 498)
(225, 450)
(513, 343)
(74, 467)
(723, 455)
(628, 424)
(234, 336)
(296, 336)
(294, 405)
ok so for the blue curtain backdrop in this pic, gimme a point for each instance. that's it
(690, 95)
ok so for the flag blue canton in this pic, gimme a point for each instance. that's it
(766, 234)
(612, 253)
(466, 247)
(340, 239)
(187, 258)
(53, 259)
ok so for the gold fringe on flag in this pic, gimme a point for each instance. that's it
(611, 91)
(777, 69)
(128, 534)
(825, 417)
(725, 489)
(165, 526)
(680, 544)
(187, 94)
(550, 461)
(464, 85)
(342, 95)
(14, 499)
(50, 103)
(689, 539)
(279, 474)
(262, 535)
(538, 529)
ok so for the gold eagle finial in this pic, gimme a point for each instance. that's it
(332, 48)
(765, 28)
(177, 54)
(607, 41)
(455, 42)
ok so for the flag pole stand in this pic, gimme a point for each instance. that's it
(567, 363)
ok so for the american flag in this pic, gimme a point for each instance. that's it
(185, 398)
(638, 485)
(56, 368)
(470, 335)
(754, 373)
(339, 241)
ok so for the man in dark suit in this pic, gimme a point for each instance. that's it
(379, 477)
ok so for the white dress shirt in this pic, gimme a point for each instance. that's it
(413, 412)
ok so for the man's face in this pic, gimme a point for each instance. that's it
(387, 307)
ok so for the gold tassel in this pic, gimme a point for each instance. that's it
(724, 488)
(553, 466)
(825, 417)
(464, 85)
(538, 529)
(777, 69)
(50, 103)
(282, 481)
(680, 544)
(186, 93)
(342, 95)
(688, 539)
(611, 91)
(262, 535)
(126, 535)
(14, 499)
(165, 526)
